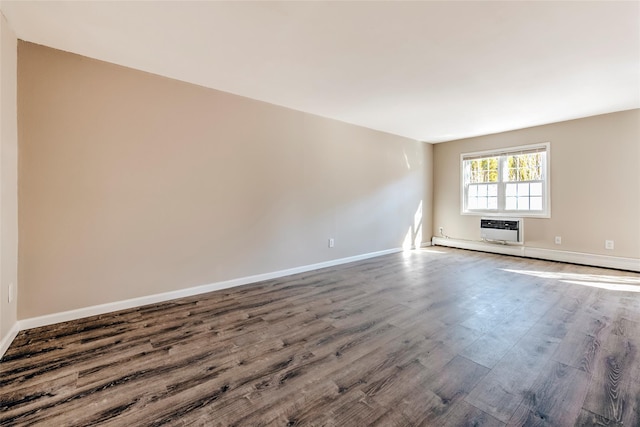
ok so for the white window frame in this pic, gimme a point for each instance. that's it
(501, 211)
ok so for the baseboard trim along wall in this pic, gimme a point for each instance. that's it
(629, 264)
(95, 310)
(619, 263)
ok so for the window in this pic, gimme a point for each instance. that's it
(513, 181)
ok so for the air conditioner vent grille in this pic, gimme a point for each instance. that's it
(502, 230)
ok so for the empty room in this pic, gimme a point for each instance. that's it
(325, 213)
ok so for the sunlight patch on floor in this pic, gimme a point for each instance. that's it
(432, 251)
(611, 283)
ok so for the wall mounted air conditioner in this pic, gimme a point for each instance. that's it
(503, 230)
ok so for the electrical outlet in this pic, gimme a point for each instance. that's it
(441, 229)
(332, 242)
(608, 244)
(558, 240)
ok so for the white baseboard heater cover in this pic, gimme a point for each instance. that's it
(501, 230)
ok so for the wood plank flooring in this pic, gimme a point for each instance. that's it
(440, 337)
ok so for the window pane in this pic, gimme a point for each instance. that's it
(511, 203)
(536, 189)
(493, 176)
(473, 203)
(482, 190)
(536, 203)
(473, 190)
(482, 203)
(523, 190)
(492, 203)
(511, 174)
(511, 190)
(523, 203)
(514, 168)
(493, 169)
(492, 190)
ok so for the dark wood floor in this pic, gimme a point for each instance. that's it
(437, 337)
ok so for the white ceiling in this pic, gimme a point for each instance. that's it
(431, 71)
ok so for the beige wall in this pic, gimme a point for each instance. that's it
(133, 184)
(595, 184)
(8, 177)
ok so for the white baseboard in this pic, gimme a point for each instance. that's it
(79, 313)
(630, 264)
(8, 339)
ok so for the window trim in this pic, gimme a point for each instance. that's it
(498, 152)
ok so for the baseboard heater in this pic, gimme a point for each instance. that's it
(501, 230)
